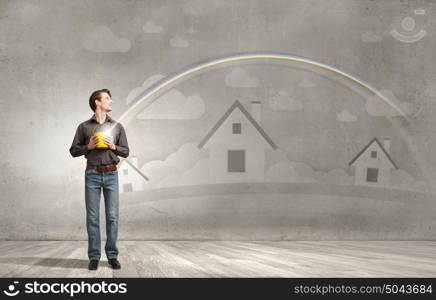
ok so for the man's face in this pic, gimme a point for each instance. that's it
(105, 102)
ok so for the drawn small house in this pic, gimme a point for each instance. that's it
(237, 145)
(131, 179)
(373, 164)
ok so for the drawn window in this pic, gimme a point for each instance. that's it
(236, 128)
(125, 171)
(372, 175)
(236, 161)
(127, 187)
(374, 154)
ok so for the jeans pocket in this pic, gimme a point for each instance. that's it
(90, 171)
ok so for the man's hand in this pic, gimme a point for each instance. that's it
(92, 142)
(109, 140)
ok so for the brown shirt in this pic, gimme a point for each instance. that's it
(99, 157)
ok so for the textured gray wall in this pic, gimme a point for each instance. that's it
(53, 54)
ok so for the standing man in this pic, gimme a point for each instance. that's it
(101, 174)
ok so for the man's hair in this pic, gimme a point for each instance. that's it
(97, 96)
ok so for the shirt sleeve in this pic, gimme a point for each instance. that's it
(122, 147)
(79, 147)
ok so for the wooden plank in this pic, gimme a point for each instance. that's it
(80, 256)
(190, 251)
(224, 259)
(318, 264)
(144, 260)
(25, 260)
(220, 260)
(128, 269)
(337, 258)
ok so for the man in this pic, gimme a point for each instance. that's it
(101, 174)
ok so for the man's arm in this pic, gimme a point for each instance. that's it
(79, 146)
(122, 148)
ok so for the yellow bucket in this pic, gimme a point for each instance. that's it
(101, 144)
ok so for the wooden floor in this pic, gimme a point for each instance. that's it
(223, 259)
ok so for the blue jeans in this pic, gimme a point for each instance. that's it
(95, 181)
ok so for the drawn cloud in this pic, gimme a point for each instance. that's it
(375, 106)
(403, 180)
(371, 37)
(156, 170)
(284, 101)
(178, 165)
(147, 83)
(190, 166)
(286, 172)
(238, 77)
(186, 157)
(346, 116)
(198, 174)
(399, 176)
(169, 181)
(151, 27)
(301, 172)
(335, 176)
(178, 41)
(306, 83)
(102, 39)
(170, 105)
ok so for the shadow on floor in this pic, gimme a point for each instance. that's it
(68, 263)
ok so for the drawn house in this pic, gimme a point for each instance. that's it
(373, 164)
(131, 179)
(237, 145)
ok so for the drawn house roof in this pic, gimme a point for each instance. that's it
(235, 105)
(367, 146)
(135, 168)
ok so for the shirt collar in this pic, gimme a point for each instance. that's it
(108, 118)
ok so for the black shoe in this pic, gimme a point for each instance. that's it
(114, 263)
(93, 264)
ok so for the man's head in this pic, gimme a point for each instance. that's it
(102, 100)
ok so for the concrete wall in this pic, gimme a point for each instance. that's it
(54, 54)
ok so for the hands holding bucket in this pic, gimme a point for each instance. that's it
(109, 141)
(101, 140)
